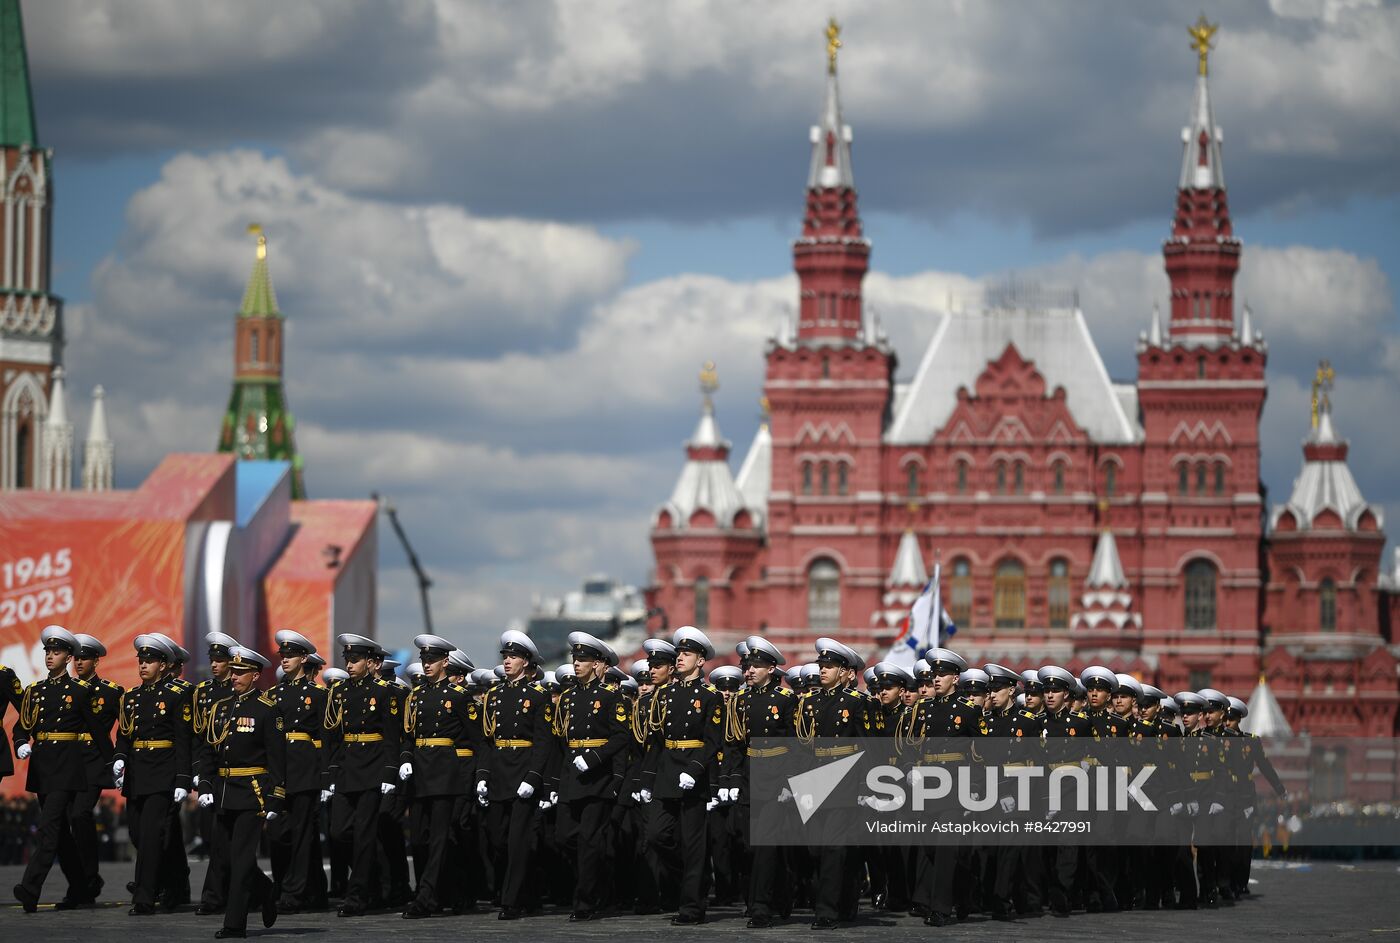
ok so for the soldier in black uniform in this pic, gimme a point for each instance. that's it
(727, 865)
(1250, 756)
(203, 768)
(77, 847)
(296, 836)
(1014, 735)
(11, 695)
(646, 719)
(56, 726)
(1065, 730)
(441, 721)
(518, 719)
(594, 727)
(250, 746)
(1212, 778)
(676, 773)
(889, 876)
(392, 880)
(151, 763)
(1101, 859)
(174, 866)
(363, 730)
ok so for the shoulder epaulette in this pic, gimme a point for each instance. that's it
(1029, 715)
(786, 692)
(382, 683)
(607, 686)
(268, 698)
(966, 701)
(456, 688)
(711, 688)
(1081, 715)
(855, 694)
(536, 686)
(80, 681)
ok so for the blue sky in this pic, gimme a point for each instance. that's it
(506, 235)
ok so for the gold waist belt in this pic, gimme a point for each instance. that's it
(514, 744)
(684, 744)
(770, 751)
(942, 757)
(64, 737)
(1201, 776)
(364, 737)
(837, 751)
(154, 744)
(237, 771)
(1020, 763)
(465, 751)
(588, 744)
(302, 736)
(435, 742)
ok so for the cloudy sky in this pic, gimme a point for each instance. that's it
(506, 234)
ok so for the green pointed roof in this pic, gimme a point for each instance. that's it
(259, 300)
(16, 102)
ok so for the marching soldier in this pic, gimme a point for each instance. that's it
(56, 726)
(203, 767)
(1213, 778)
(676, 772)
(459, 886)
(1065, 729)
(889, 876)
(248, 737)
(151, 763)
(175, 867)
(1016, 735)
(363, 726)
(296, 845)
(646, 724)
(441, 722)
(518, 722)
(392, 859)
(1101, 860)
(1251, 756)
(77, 848)
(593, 724)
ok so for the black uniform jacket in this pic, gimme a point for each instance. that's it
(11, 694)
(57, 720)
(153, 738)
(364, 726)
(203, 697)
(303, 706)
(756, 713)
(594, 721)
(250, 747)
(689, 736)
(442, 728)
(518, 718)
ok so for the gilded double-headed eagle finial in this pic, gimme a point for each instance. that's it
(833, 43)
(1202, 33)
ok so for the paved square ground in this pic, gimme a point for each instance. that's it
(1322, 901)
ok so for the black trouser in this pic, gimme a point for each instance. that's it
(829, 887)
(146, 818)
(1063, 867)
(391, 844)
(77, 848)
(55, 809)
(434, 820)
(214, 894)
(248, 887)
(583, 833)
(174, 865)
(510, 829)
(676, 831)
(354, 820)
(937, 870)
(295, 843)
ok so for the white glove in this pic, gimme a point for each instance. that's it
(386, 788)
(331, 789)
(915, 776)
(785, 795)
(1008, 804)
(482, 801)
(580, 764)
(710, 806)
(687, 781)
(646, 796)
(405, 771)
(194, 782)
(1216, 808)
(1176, 808)
(181, 795)
(806, 802)
(734, 794)
(525, 791)
(271, 816)
(637, 797)
(23, 751)
(553, 797)
(1051, 814)
(326, 795)
(1193, 808)
(206, 799)
(724, 795)
(481, 789)
(545, 805)
(118, 771)
(1248, 811)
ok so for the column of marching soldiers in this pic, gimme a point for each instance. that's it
(585, 786)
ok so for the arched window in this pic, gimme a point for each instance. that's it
(702, 602)
(825, 478)
(22, 456)
(911, 480)
(962, 477)
(841, 474)
(1001, 478)
(1009, 601)
(960, 599)
(1018, 478)
(1110, 480)
(1059, 475)
(1327, 606)
(253, 343)
(824, 595)
(1200, 594)
(826, 367)
(1201, 478)
(1183, 479)
(1219, 479)
(1058, 594)
(806, 477)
